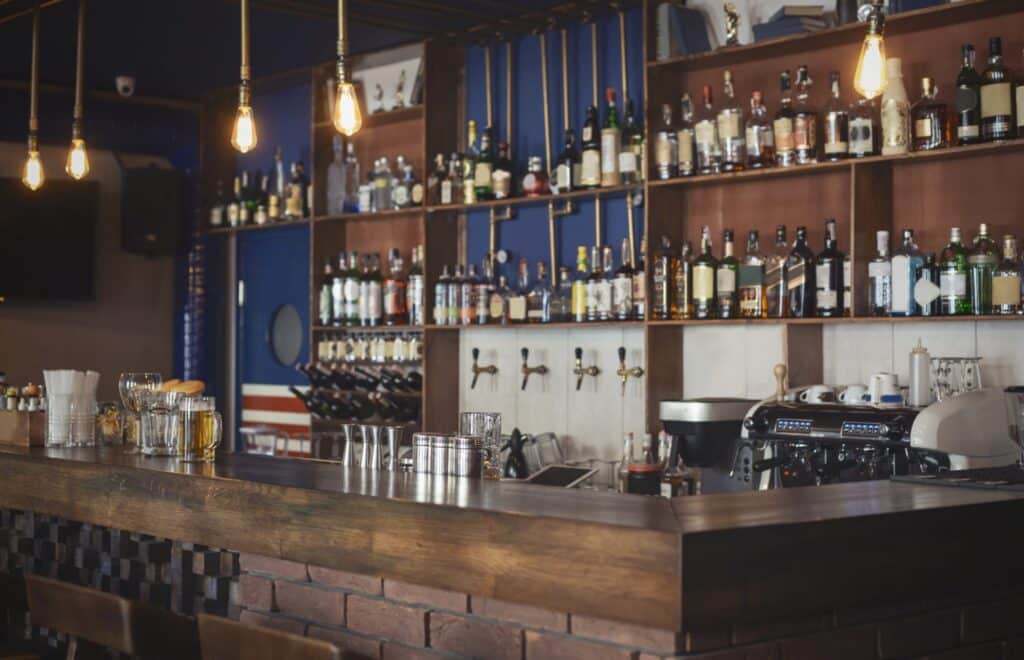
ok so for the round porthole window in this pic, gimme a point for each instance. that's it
(286, 335)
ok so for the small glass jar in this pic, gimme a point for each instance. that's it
(535, 183)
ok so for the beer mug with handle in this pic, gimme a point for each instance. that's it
(199, 429)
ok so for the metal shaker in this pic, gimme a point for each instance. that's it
(348, 453)
(370, 455)
(421, 452)
(394, 436)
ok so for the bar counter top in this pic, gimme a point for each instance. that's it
(674, 565)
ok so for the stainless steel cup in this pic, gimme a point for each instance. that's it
(421, 452)
(348, 453)
(468, 456)
(440, 448)
(371, 447)
(394, 436)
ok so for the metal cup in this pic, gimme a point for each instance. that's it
(371, 447)
(394, 435)
(348, 453)
(421, 452)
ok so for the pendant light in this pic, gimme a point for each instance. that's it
(243, 136)
(870, 78)
(347, 117)
(32, 175)
(77, 165)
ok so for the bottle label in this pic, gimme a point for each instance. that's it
(750, 300)
(681, 288)
(326, 306)
(482, 174)
(758, 139)
(293, 204)
(467, 308)
(351, 295)
(400, 195)
(827, 299)
(895, 125)
(497, 310)
(609, 150)
(703, 282)
(902, 281)
(784, 134)
(622, 295)
(796, 275)
(394, 302)
(243, 214)
(337, 311)
(579, 298)
(639, 288)
(953, 284)
(591, 173)
(604, 297)
(216, 216)
(685, 141)
(804, 132)
(663, 151)
(374, 305)
(441, 304)
(415, 299)
(482, 299)
(923, 128)
(366, 198)
(517, 308)
(726, 281)
(847, 288)
(729, 125)
(416, 193)
(827, 296)
(967, 132)
(233, 215)
(591, 298)
(705, 135)
(563, 177)
(836, 130)
(627, 162)
(446, 192)
(862, 138)
(995, 100)
(1006, 290)
(588, 133)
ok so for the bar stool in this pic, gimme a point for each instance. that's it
(12, 597)
(225, 639)
(103, 620)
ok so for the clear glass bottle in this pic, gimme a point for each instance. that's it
(753, 303)
(1006, 281)
(604, 286)
(325, 299)
(760, 138)
(997, 97)
(805, 124)
(880, 277)
(336, 180)
(568, 164)
(682, 283)
(953, 298)
(611, 143)
(590, 168)
(640, 283)
(631, 157)
(726, 279)
(837, 123)
(451, 186)
(499, 302)
(731, 129)
(928, 118)
(661, 281)
(279, 187)
(396, 311)
(968, 99)
(775, 277)
(538, 300)
(455, 295)
(685, 137)
(705, 268)
(468, 303)
(579, 286)
(785, 147)
(352, 290)
(622, 286)
(709, 159)
(484, 288)
(666, 147)
(895, 111)
(907, 262)
(800, 277)
(435, 180)
(517, 297)
(561, 298)
(828, 276)
(981, 264)
(863, 129)
(416, 292)
(371, 293)
(441, 296)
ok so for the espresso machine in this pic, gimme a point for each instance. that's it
(706, 437)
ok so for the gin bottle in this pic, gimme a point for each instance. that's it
(953, 298)
(880, 277)
(907, 263)
(982, 264)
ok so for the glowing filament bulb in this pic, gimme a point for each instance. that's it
(870, 79)
(243, 137)
(32, 176)
(77, 165)
(347, 117)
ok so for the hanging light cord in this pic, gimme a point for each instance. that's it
(342, 43)
(33, 117)
(76, 123)
(245, 72)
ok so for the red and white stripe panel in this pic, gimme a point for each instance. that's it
(273, 406)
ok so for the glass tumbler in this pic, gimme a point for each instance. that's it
(130, 386)
(487, 425)
(198, 430)
(158, 422)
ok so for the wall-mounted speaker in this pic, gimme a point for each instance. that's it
(152, 210)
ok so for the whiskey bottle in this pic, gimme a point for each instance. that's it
(785, 147)
(837, 124)
(441, 297)
(863, 129)
(350, 278)
(245, 204)
(325, 300)
(622, 286)
(928, 118)
(579, 286)
(395, 288)
(800, 277)
(232, 211)
(469, 160)
(484, 170)
(907, 262)
(760, 138)
(880, 277)
(484, 288)
(499, 302)
(981, 264)
(455, 295)
(709, 158)
(926, 291)
(370, 293)
(339, 309)
(968, 99)
(401, 185)
(435, 180)
(666, 147)
(775, 276)
(535, 182)
(517, 298)
(604, 286)
(731, 129)
(590, 168)
(350, 201)
(451, 186)
(416, 291)
(953, 298)
(218, 210)
(685, 138)
(260, 216)
(805, 123)
(725, 279)
(631, 156)
(895, 111)
(501, 178)
(299, 188)
(828, 275)
(279, 187)
(611, 143)
(538, 300)
(468, 298)
(561, 297)
(997, 116)
(382, 182)
(568, 165)
(640, 283)
(1006, 280)
(661, 281)
(704, 270)
(336, 180)
(753, 303)
(682, 283)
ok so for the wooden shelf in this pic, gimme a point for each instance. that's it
(539, 326)
(363, 217)
(247, 228)
(380, 119)
(616, 191)
(846, 320)
(356, 329)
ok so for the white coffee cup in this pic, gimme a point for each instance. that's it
(881, 384)
(853, 395)
(818, 394)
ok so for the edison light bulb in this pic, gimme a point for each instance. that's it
(77, 165)
(347, 118)
(870, 79)
(243, 137)
(32, 175)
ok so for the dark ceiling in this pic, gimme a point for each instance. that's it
(184, 48)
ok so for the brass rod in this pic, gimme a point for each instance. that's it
(593, 58)
(551, 240)
(508, 97)
(493, 237)
(565, 80)
(622, 55)
(33, 103)
(76, 117)
(245, 39)
(25, 12)
(631, 231)
(547, 110)
(487, 81)
(342, 28)
(597, 221)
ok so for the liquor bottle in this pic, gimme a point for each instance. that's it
(590, 169)
(394, 291)
(484, 288)
(837, 124)
(401, 186)
(1006, 280)
(301, 181)
(232, 211)
(351, 288)
(468, 297)
(895, 111)
(685, 138)
(785, 147)
(595, 286)
(682, 283)
(631, 157)
(435, 179)
(325, 300)
(441, 297)
(218, 210)
(926, 291)
(907, 262)
(706, 136)
(705, 268)
(800, 277)
(364, 293)
(731, 129)
(775, 276)
(828, 276)
(622, 286)
(455, 295)
(611, 143)
(805, 124)
(981, 264)
(726, 278)
(953, 298)
(880, 277)
(604, 286)
(416, 290)
(469, 160)
(579, 286)
(245, 204)
(666, 147)
(1019, 103)
(484, 170)
(451, 185)
(968, 99)
(661, 282)
(847, 285)
(499, 302)
(535, 182)
(501, 179)
(260, 216)
(928, 117)
(568, 165)
(997, 116)
(863, 129)
(561, 297)
(538, 300)
(350, 200)
(336, 180)
(382, 185)
(760, 138)
(517, 297)
(278, 188)
(640, 283)
(753, 303)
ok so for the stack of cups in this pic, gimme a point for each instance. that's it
(70, 407)
(83, 411)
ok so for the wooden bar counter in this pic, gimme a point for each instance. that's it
(691, 574)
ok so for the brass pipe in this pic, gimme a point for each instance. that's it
(487, 81)
(551, 241)
(508, 97)
(245, 71)
(597, 221)
(25, 12)
(622, 55)
(565, 80)
(547, 109)
(76, 116)
(593, 57)
(631, 231)
(33, 102)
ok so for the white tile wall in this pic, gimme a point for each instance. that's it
(735, 360)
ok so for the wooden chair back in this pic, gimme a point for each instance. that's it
(225, 639)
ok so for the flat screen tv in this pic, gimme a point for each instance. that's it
(48, 240)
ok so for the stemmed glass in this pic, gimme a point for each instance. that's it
(130, 385)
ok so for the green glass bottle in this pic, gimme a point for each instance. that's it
(953, 277)
(705, 267)
(982, 264)
(726, 279)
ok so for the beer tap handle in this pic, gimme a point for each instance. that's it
(526, 370)
(476, 370)
(579, 368)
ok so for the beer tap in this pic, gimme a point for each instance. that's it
(580, 371)
(477, 369)
(528, 370)
(624, 373)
